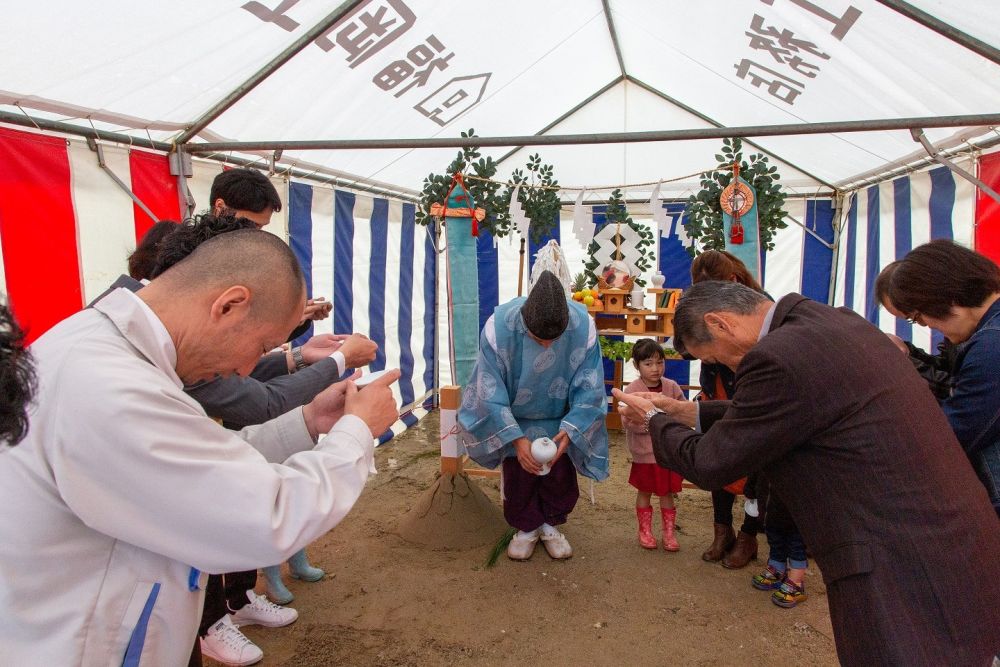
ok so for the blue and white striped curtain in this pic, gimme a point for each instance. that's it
(377, 266)
(887, 220)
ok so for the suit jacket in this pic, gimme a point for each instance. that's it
(268, 392)
(857, 447)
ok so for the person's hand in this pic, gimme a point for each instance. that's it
(633, 407)
(374, 403)
(562, 441)
(317, 309)
(320, 347)
(898, 342)
(523, 448)
(326, 408)
(681, 411)
(358, 351)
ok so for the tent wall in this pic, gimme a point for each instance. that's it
(884, 222)
(987, 209)
(66, 230)
(378, 267)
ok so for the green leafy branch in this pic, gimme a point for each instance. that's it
(541, 202)
(484, 193)
(704, 212)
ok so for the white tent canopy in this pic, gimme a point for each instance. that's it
(416, 68)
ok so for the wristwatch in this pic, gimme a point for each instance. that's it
(649, 415)
(300, 363)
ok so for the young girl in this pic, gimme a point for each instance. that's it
(646, 476)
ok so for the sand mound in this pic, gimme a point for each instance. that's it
(452, 514)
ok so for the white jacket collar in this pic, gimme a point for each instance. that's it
(140, 326)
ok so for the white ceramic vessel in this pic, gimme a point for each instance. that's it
(543, 450)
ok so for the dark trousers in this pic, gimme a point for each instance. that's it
(531, 500)
(783, 536)
(225, 593)
(722, 508)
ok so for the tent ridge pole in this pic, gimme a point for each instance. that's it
(945, 29)
(614, 37)
(789, 129)
(258, 77)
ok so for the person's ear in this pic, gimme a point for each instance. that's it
(219, 206)
(233, 305)
(717, 323)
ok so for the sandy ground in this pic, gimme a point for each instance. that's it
(386, 601)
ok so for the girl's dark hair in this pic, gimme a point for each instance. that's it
(192, 234)
(17, 379)
(721, 265)
(938, 275)
(143, 258)
(646, 348)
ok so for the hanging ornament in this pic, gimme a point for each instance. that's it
(736, 200)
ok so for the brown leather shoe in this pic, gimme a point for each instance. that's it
(723, 542)
(744, 551)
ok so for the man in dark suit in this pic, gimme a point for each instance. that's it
(857, 447)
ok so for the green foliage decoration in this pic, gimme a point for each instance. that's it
(541, 202)
(485, 194)
(617, 213)
(704, 213)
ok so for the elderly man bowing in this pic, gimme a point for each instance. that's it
(855, 445)
(109, 507)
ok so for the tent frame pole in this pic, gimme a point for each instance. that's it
(918, 135)
(842, 203)
(329, 177)
(260, 75)
(667, 98)
(945, 29)
(788, 129)
(563, 117)
(614, 37)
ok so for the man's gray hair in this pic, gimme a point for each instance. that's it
(712, 296)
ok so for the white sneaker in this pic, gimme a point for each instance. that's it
(523, 545)
(262, 611)
(226, 644)
(556, 543)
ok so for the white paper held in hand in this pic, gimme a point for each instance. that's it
(368, 379)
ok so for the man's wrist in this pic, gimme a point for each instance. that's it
(300, 362)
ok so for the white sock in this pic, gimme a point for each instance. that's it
(527, 534)
(549, 530)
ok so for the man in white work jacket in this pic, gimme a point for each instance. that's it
(108, 507)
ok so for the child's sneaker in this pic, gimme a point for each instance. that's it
(767, 580)
(789, 594)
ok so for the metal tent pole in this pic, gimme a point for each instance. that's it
(874, 125)
(946, 29)
(918, 135)
(232, 98)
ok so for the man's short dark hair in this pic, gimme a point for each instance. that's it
(710, 297)
(186, 237)
(938, 275)
(17, 379)
(245, 190)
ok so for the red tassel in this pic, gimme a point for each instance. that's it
(736, 233)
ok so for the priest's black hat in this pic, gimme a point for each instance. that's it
(546, 311)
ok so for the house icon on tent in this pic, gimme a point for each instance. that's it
(454, 98)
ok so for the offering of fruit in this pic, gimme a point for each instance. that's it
(588, 301)
(578, 296)
(598, 303)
